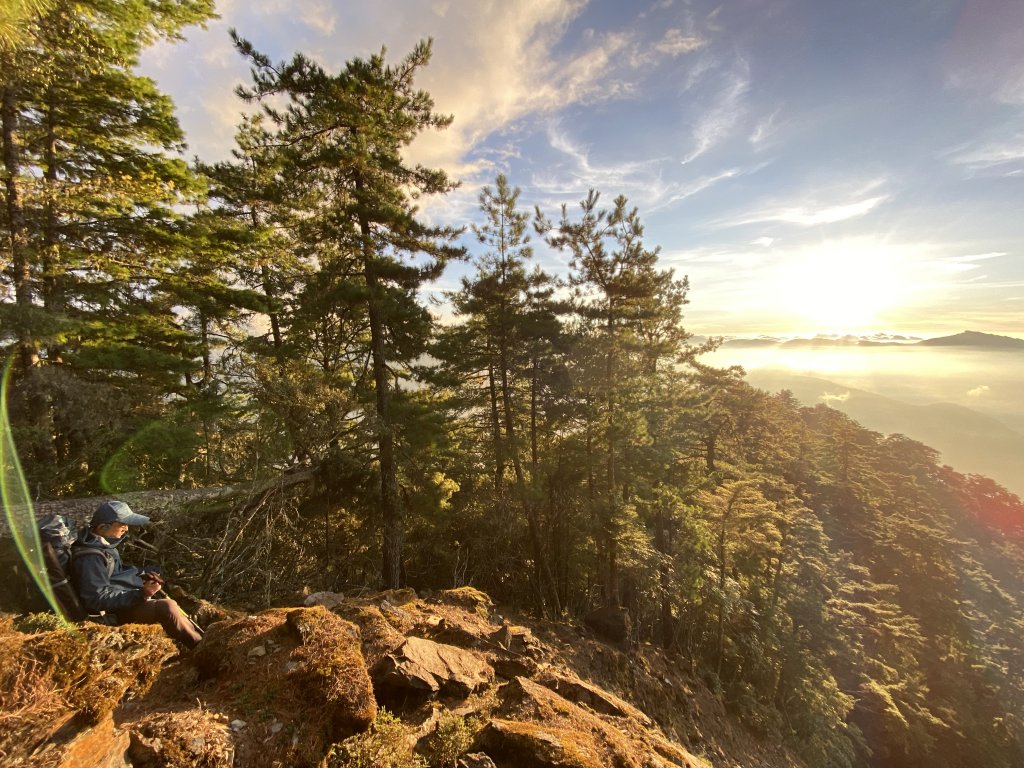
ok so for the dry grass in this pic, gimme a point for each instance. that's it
(49, 677)
(196, 738)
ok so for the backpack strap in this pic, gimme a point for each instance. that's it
(108, 559)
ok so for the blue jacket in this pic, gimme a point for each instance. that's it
(101, 579)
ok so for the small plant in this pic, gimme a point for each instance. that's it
(38, 622)
(385, 745)
(450, 741)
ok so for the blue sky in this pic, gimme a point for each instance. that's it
(811, 165)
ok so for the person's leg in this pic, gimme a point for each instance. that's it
(167, 614)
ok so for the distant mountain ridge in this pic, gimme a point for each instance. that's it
(969, 441)
(970, 339)
(975, 339)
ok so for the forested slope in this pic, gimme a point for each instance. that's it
(556, 442)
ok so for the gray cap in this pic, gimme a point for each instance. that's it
(116, 512)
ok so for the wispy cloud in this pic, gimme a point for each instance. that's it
(644, 181)
(676, 42)
(979, 391)
(317, 15)
(984, 53)
(764, 130)
(679, 191)
(830, 398)
(979, 256)
(958, 264)
(719, 121)
(808, 214)
(991, 154)
(639, 180)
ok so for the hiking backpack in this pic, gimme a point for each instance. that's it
(56, 538)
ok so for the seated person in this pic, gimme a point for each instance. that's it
(105, 584)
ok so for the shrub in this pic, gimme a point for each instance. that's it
(385, 745)
(34, 623)
(450, 741)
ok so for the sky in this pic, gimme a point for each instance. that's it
(812, 166)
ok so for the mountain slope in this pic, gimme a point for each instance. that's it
(975, 339)
(969, 441)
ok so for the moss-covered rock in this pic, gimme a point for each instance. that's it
(533, 745)
(467, 597)
(294, 679)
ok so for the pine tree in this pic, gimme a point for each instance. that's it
(629, 316)
(345, 133)
(508, 320)
(91, 227)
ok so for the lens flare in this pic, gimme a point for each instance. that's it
(17, 503)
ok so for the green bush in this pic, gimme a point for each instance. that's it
(33, 623)
(449, 741)
(385, 745)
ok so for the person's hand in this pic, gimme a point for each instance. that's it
(151, 587)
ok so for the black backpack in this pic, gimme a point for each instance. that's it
(56, 538)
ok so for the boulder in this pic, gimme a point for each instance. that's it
(55, 685)
(529, 745)
(466, 597)
(308, 688)
(592, 697)
(476, 760)
(76, 745)
(329, 600)
(625, 744)
(443, 631)
(425, 668)
(610, 622)
(401, 596)
(379, 637)
(511, 666)
(518, 640)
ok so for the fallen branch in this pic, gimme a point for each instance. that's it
(162, 506)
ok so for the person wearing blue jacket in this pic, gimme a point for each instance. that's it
(105, 585)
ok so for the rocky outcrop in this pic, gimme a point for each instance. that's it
(532, 745)
(592, 697)
(80, 745)
(294, 679)
(423, 667)
(57, 689)
(466, 597)
(293, 686)
(564, 733)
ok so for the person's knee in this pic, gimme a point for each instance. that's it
(165, 608)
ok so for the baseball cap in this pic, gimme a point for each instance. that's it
(117, 512)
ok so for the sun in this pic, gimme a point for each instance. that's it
(845, 285)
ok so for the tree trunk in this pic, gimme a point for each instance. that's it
(499, 453)
(390, 500)
(21, 274)
(661, 545)
(533, 421)
(164, 507)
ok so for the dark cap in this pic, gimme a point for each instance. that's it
(116, 512)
